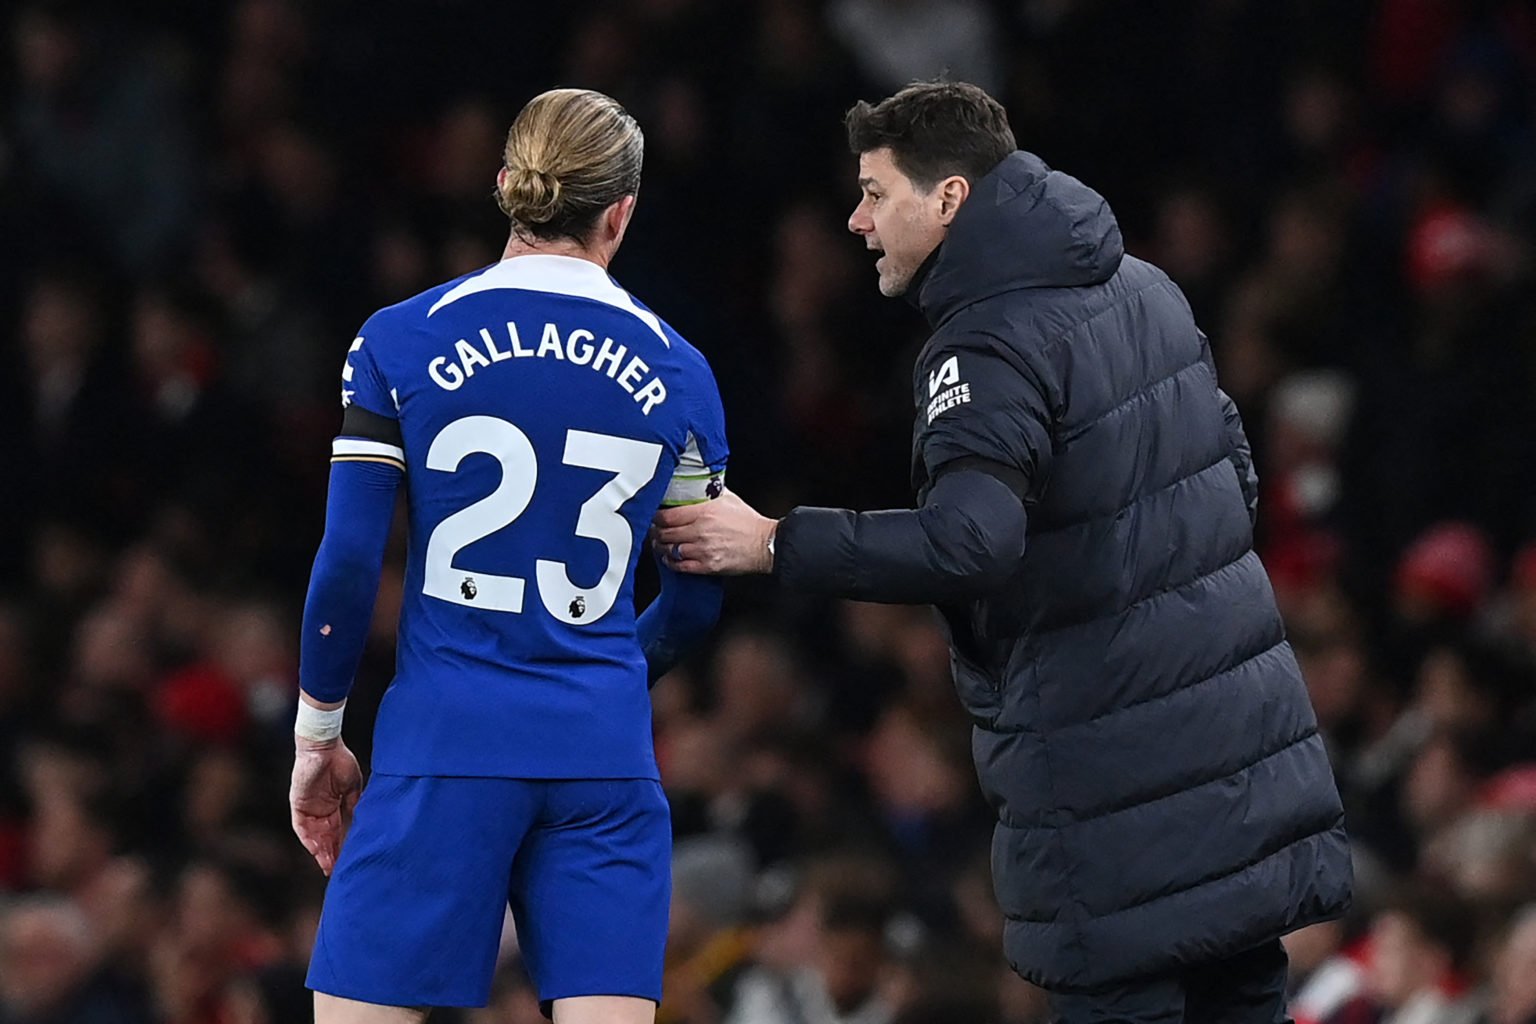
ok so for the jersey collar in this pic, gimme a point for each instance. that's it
(553, 275)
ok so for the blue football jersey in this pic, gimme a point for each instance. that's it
(544, 416)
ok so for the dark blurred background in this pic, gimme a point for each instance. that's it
(200, 202)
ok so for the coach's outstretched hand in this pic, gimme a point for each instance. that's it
(721, 537)
(326, 786)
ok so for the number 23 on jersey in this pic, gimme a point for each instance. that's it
(633, 464)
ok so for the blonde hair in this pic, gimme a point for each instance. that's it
(569, 155)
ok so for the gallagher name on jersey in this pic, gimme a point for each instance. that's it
(579, 347)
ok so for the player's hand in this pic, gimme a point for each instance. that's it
(325, 788)
(721, 537)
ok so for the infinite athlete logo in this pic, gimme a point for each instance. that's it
(468, 588)
(945, 388)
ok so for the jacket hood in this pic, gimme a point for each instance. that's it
(1024, 226)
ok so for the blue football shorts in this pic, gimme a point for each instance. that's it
(414, 911)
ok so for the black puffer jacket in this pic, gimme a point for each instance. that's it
(1141, 725)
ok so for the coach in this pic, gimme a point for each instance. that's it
(1165, 807)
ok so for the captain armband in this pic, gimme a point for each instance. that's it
(691, 487)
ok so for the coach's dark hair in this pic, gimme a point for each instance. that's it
(934, 130)
(570, 154)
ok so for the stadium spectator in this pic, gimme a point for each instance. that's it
(834, 969)
(48, 969)
(1513, 982)
(1418, 950)
(707, 942)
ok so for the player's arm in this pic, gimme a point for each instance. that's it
(682, 615)
(367, 465)
(985, 443)
(688, 606)
(365, 473)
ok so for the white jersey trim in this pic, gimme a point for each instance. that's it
(555, 275)
(357, 446)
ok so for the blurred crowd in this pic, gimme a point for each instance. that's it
(200, 202)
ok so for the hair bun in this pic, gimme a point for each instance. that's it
(570, 154)
(531, 196)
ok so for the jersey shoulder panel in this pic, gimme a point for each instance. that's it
(689, 360)
(393, 321)
(700, 473)
(375, 354)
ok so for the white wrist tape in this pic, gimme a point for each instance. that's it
(318, 725)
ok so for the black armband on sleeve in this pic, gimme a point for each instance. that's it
(359, 422)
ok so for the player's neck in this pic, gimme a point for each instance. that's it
(557, 247)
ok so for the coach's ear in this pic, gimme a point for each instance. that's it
(951, 194)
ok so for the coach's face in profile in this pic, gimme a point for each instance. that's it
(899, 218)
